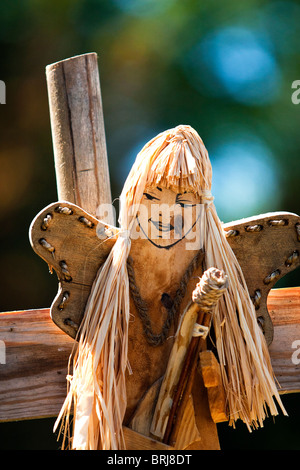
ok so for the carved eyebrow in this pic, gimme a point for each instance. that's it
(179, 196)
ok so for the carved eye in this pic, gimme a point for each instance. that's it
(182, 202)
(150, 197)
(185, 204)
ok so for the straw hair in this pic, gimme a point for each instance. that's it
(175, 159)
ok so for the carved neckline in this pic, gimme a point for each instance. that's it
(171, 305)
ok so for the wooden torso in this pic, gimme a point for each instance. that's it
(157, 272)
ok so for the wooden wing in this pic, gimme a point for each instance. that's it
(267, 247)
(75, 245)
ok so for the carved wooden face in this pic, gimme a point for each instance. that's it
(166, 217)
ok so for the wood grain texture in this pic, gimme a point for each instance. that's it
(267, 247)
(78, 132)
(179, 424)
(33, 379)
(142, 418)
(211, 374)
(188, 433)
(284, 309)
(75, 245)
(174, 369)
(135, 440)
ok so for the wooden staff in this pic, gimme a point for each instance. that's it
(178, 380)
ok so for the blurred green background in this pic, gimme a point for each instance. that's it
(225, 68)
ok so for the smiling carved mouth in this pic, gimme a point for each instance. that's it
(160, 226)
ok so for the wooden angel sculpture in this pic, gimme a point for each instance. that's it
(126, 300)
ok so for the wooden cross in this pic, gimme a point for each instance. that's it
(38, 342)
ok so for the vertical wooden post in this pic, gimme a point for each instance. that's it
(78, 133)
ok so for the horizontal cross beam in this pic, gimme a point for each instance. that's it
(34, 355)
